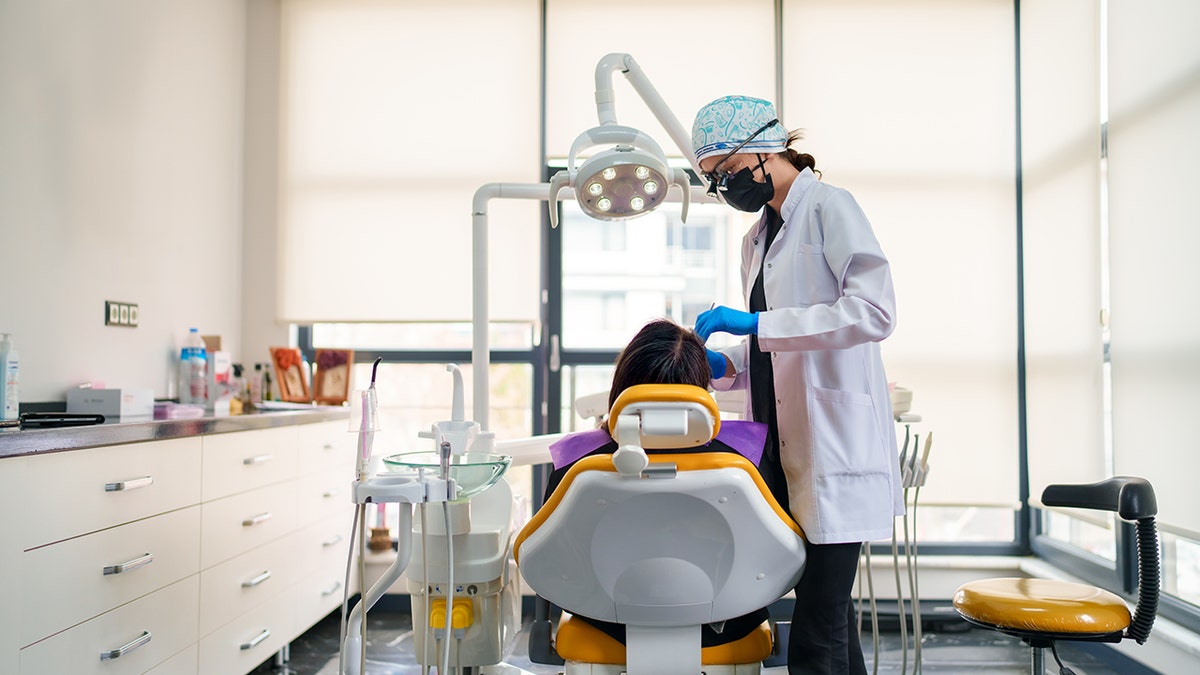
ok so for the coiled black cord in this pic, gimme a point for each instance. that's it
(1148, 581)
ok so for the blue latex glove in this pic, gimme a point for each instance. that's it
(725, 320)
(718, 364)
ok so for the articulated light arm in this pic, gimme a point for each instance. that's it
(605, 99)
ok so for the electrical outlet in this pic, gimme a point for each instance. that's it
(120, 313)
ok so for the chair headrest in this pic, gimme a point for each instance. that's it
(673, 415)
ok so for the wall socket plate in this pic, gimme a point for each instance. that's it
(120, 313)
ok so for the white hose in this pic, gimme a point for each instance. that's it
(445, 668)
(346, 593)
(900, 602)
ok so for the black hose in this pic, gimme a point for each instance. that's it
(1148, 581)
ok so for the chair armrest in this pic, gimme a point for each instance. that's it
(1131, 497)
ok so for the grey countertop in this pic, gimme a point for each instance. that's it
(17, 442)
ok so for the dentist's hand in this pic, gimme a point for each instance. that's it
(725, 320)
(717, 363)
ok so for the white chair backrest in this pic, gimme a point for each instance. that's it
(703, 546)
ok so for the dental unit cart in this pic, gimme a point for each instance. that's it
(461, 574)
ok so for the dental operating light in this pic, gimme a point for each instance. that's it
(630, 176)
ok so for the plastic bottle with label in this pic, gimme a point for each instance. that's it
(10, 379)
(193, 370)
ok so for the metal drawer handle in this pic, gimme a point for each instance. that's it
(332, 541)
(126, 648)
(125, 485)
(254, 520)
(129, 565)
(258, 459)
(257, 580)
(327, 446)
(331, 493)
(266, 633)
(332, 589)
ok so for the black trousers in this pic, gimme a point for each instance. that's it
(824, 633)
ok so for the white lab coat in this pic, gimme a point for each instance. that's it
(829, 301)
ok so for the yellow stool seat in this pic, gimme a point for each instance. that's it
(581, 642)
(1042, 606)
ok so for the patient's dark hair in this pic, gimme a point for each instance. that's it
(662, 352)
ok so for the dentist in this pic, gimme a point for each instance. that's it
(820, 299)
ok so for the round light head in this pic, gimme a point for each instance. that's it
(622, 182)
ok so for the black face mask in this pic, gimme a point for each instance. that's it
(744, 193)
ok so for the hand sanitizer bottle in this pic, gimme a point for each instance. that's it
(10, 379)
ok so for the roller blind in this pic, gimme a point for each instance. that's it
(1060, 131)
(393, 114)
(1153, 143)
(680, 45)
(911, 106)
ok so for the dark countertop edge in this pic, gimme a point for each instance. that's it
(16, 443)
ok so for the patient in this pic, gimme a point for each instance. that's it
(663, 352)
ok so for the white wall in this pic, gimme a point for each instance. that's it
(121, 178)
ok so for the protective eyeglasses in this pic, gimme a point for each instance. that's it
(717, 179)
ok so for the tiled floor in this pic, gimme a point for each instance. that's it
(952, 648)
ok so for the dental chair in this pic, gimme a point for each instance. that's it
(1041, 611)
(661, 544)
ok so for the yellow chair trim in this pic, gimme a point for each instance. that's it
(671, 393)
(691, 461)
(581, 642)
(1042, 605)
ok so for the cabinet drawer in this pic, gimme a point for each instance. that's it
(185, 662)
(327, 446)
(316, 596)
(74, 580)
(240, 645)
(164, 622)
(247, 581)
(236, 524)
(324, 544)
(101, 487)
(320, 495)
(244, 460)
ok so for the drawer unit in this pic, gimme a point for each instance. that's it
(244, 460)
(247, 581)
(75, 580)
(108, 486)
(250, 639)
(236, 524)
(132, 638)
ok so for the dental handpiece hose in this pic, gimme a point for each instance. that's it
(444, 666)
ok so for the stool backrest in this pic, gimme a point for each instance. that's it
(1132, 499)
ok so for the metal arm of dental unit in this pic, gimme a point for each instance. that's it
(551, 192)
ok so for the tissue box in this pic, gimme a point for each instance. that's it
(112, 403)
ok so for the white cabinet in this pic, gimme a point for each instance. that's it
(200, 554)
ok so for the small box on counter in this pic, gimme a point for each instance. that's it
(220, 376)
(112, 403)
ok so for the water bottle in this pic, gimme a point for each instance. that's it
(193, 370)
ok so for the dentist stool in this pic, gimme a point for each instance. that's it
(1040, 611)
(662, 546)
